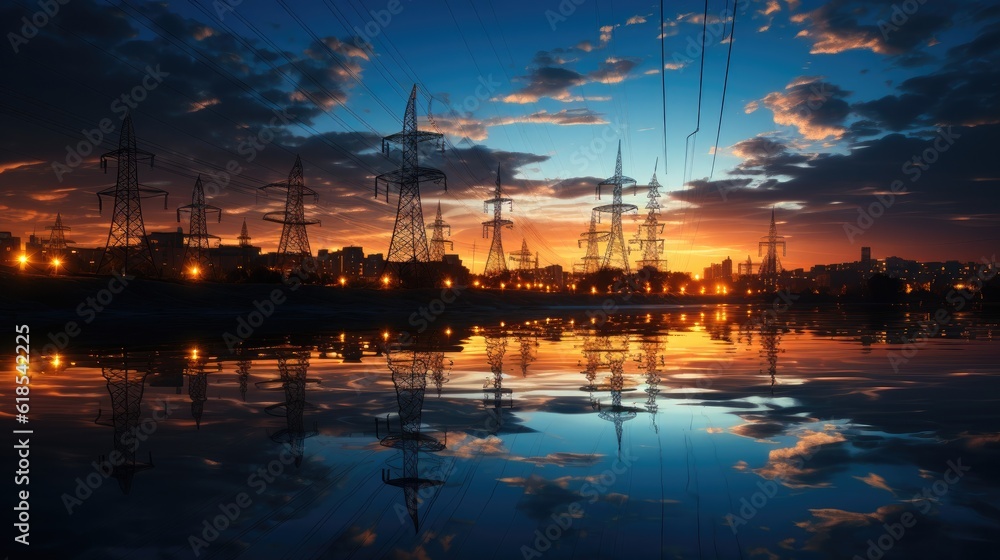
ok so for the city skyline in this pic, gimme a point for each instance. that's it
(809, 133)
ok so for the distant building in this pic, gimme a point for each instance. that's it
(727, 269)
(10, 248)
(553, 274)
(373, 265)
(168, 251)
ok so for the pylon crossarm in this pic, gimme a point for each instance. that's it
(418, 135)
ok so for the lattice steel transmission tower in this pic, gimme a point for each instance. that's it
(244, 237)
(437, 238)
(495, 263)
(127, 249)
(745, 268)
(294, 243)
(57, 238)
(592, 237)
(771, 266)
(409, 238)
(616, 253)
(125, 385)
(524, 259)
(409, 377)
(198, 239)
(649, 232)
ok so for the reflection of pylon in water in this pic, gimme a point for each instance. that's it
(439, 370)
(493, 391)
(197, 387)
(648, 364)
(770, 340)
(243, 375)
(528, 343)
(292, 380)
(592, 362)
(125, 387)
(615, 355)
(409, 377)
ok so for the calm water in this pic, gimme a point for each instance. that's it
(682, 433)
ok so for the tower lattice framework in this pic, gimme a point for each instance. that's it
(409, 377)
(768, 248)
(648, 235)
(495, 263)
(438, 242)
(197, 379)
(127, 249)
(523, 258)
(592, 237)
(293, 246)
(57, 237)
(198, 240)
(649, 363)
(617, 414)
(616, 252)
(409, 238)
(125, 385)
(493, 390)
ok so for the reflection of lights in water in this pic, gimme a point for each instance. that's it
(447, 331)
(385, 335)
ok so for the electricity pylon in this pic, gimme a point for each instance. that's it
(523, 258)
(649, 232)
(198, 239)
(57, 239)
(244, 237)
(771, 266)
(437, 238)
(495, 263)
(408, 247)
(616, 253)
(592, 258)
(127, 249)
(293, 246)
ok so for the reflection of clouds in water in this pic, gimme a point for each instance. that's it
(876, 481)
(808, 462)
(836, 528)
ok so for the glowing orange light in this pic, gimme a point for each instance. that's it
(385, 336)
(593, 289)
(56, 262)
(447, 283)
(343, 280)
(22, 259)
(447, 331)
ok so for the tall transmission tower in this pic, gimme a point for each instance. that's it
(495, 263)
(244, 237)
(771, 266)
(198, 240)
(57, 239)
(524, 258)
(649, 232)
(592, 258)
(127, 249)
(294, 243)
(616, 253)
(745, 268)
(437, 238)
(409, 239)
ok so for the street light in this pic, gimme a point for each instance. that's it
(55, 266)
(343, 281)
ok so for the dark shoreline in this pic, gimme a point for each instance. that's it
(153, 310)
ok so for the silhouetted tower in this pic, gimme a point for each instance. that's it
(125, 386)
(495, 263)
(294, 243)
(57, 239)
(439, 370)
(437, 238)
(592, 237)
(770, 347)
(528, 343)
(197, 387)
(493, 390)
(745, 268)
(592, 346)
(292, 368)
(127, 249)
(524, 259)
(198, 239)
(649, 232)
(244, 237)
(409, 377)
(768, 248)
(616, 253)
(616, 413)
(409, 239)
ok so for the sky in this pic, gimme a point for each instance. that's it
(861, 122)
